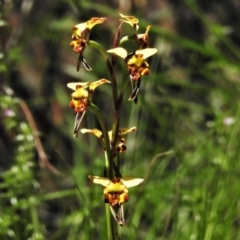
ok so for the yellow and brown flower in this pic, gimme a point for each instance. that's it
(116, 192)
(80, 38)
(121, 142)
(81, 98)
(136, 64)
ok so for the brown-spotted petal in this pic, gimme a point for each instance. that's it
(95, 84)
(78, 30)
(130, 20)
(123, 131)
(94, 21)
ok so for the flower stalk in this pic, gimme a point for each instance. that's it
(115, 186)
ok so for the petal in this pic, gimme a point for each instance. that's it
(94, 21)
(95, 84)
(147, 52)
(131, 182)
(74, 86)
(147, 29)
(99, 180)
(130, 20)
(121, 52)
(80, 93)
(136, 60)
(78, 29)
(95, 132)
(115, 185)
(123, 131)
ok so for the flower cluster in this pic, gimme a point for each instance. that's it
(136, 60)
(115, 186)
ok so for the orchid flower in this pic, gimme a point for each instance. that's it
(121, 147)
(81, 98)
(116, 193)
(136, 64)
(80, 38)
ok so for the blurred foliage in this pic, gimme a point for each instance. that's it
(189, 105)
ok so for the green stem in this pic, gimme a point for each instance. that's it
(109, 167)
(110, 69)
(110, 151)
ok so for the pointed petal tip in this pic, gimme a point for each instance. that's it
(131, 182)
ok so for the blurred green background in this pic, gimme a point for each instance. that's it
(188, 108)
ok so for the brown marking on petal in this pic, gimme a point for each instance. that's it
(126, 198)
(121, 148)
(144, 71)
(116, 180)
(71, 104)
(95, 20)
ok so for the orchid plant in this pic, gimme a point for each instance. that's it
(115, 186)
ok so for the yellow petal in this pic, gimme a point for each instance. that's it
(130, 20)
(95, 132)
(136, 60)
(147, 52)
(74, 86)
(78, 29)
(131, 182)
(94, 21)
(95, 84)
(121, 52)
(147, 29)
(99, 180)
(80, 93)
(115, 185)
(123, 131)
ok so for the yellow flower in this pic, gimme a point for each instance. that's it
(80, 38)
(116, 192)
(137, 66)
(81, 98)
(130, 20)
(121, 147)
